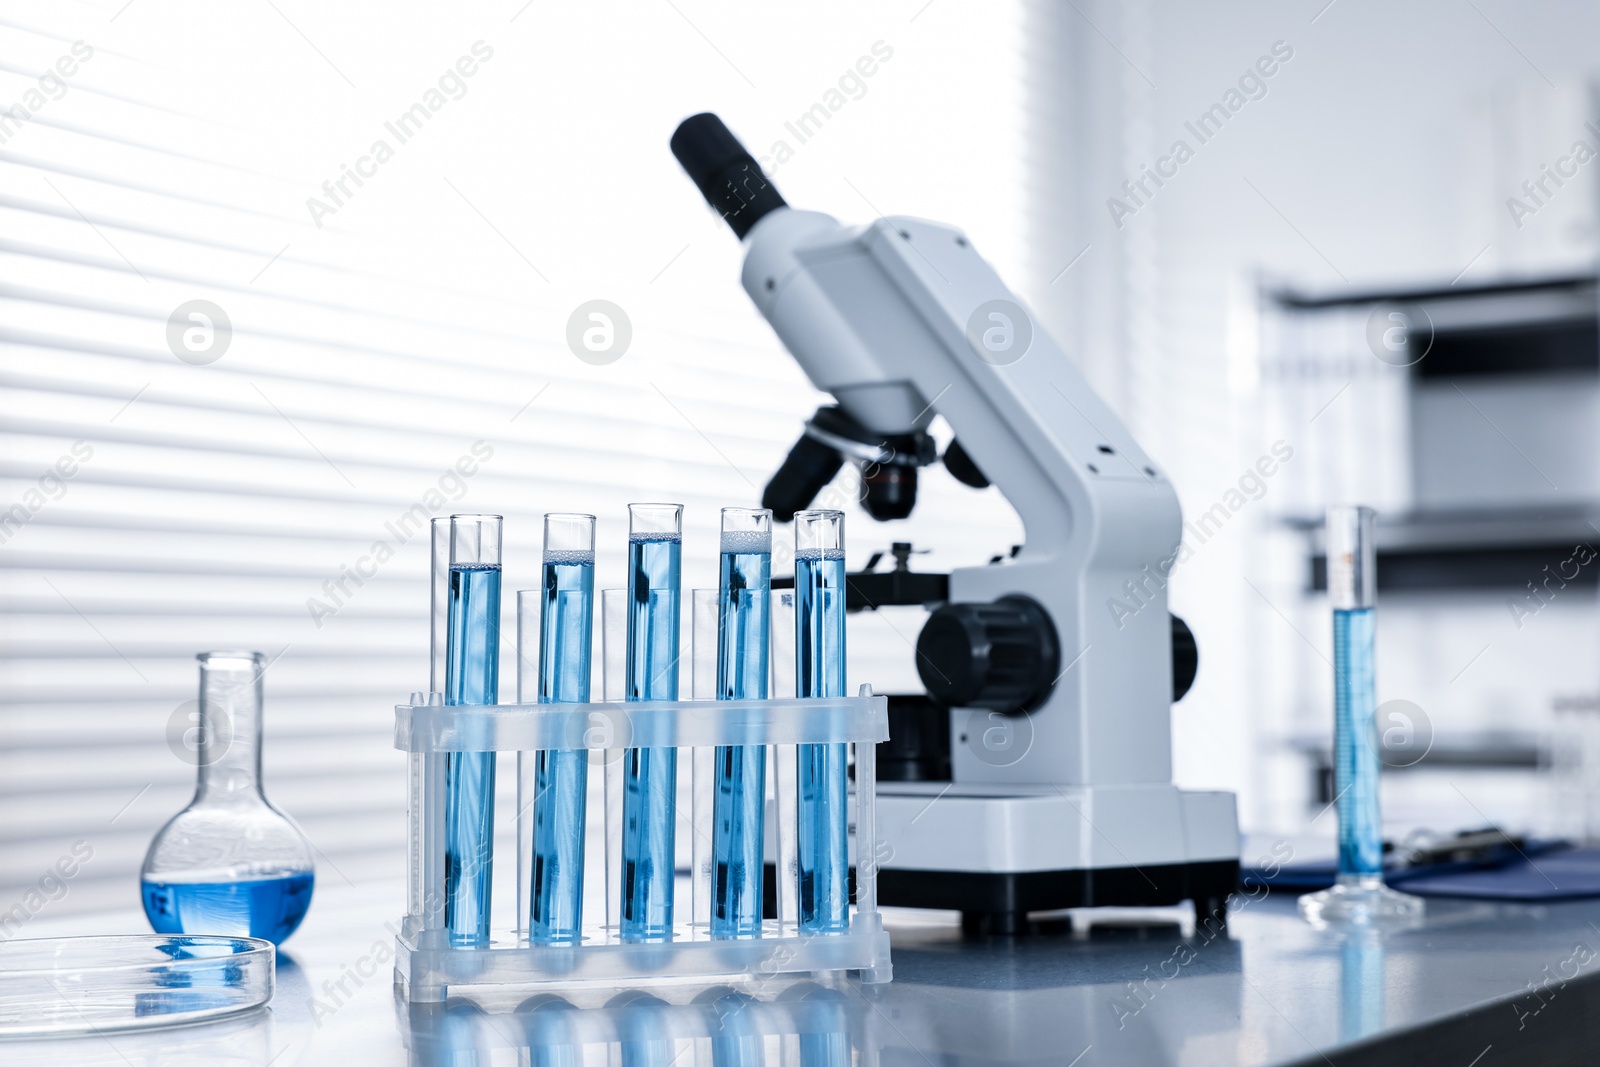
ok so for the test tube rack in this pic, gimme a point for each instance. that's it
(429, 968)
(790, 1023)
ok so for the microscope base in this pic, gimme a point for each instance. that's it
(995, 854)
(999, 903)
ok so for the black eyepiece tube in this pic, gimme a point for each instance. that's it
(728, 176)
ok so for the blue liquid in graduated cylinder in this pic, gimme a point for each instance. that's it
(744, 611)
(472, 676)
(650, 775)
(269, 908)
(1355, 741)
(561, 779)
(819, 672)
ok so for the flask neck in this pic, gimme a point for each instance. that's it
(230, 736)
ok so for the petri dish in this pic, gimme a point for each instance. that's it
(85, 985)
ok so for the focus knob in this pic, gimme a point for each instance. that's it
(1002, 656)
(1185, 658)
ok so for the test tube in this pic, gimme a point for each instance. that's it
(819, 672)
(785, 767)
(439, 604)
(704, 628)
(472, 676)
(528, 601)
(614, 685)
(428, 769)
(650, 775)
(744, 594)
(1359, 894)
(561, 778)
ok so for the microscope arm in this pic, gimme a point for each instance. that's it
(879, 317)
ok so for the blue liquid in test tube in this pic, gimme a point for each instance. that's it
(822, 844)
(650, 775)
(739, 808)
(561, 779)
(472, 676)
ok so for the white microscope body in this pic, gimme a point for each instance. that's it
(1072, 802)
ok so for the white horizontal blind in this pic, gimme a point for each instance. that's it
(421, 327)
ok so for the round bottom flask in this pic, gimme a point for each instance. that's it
(230, 863)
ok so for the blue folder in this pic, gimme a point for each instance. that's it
(1540, 871)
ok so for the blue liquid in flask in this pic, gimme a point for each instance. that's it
(228, 864)
(561, 779)
(819, 672)
(472, 676)
(650, 775)
(269, 908)
(739, 807)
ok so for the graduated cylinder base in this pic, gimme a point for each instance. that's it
(1360, 899)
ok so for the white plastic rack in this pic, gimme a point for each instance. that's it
(428, 968)
(790, 1020)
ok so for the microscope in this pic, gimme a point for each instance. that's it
(1036, 772)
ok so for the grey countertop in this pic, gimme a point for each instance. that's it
(1475, 985)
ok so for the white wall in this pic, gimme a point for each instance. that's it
(426, 313)
(1369, 160)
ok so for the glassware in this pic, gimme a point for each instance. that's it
(744, 594)
(230, 863)
(561, 779)
(705, 626)
(1359, 895)
(650, 775)
(820, 672)
(93, 985)
(785, 768)
(639, 655)
(614, 687)
(427, 777)
(439, 604)
(472, 676)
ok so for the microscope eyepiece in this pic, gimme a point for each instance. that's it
(727, 175)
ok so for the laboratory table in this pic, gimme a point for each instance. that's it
(1476, 985)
